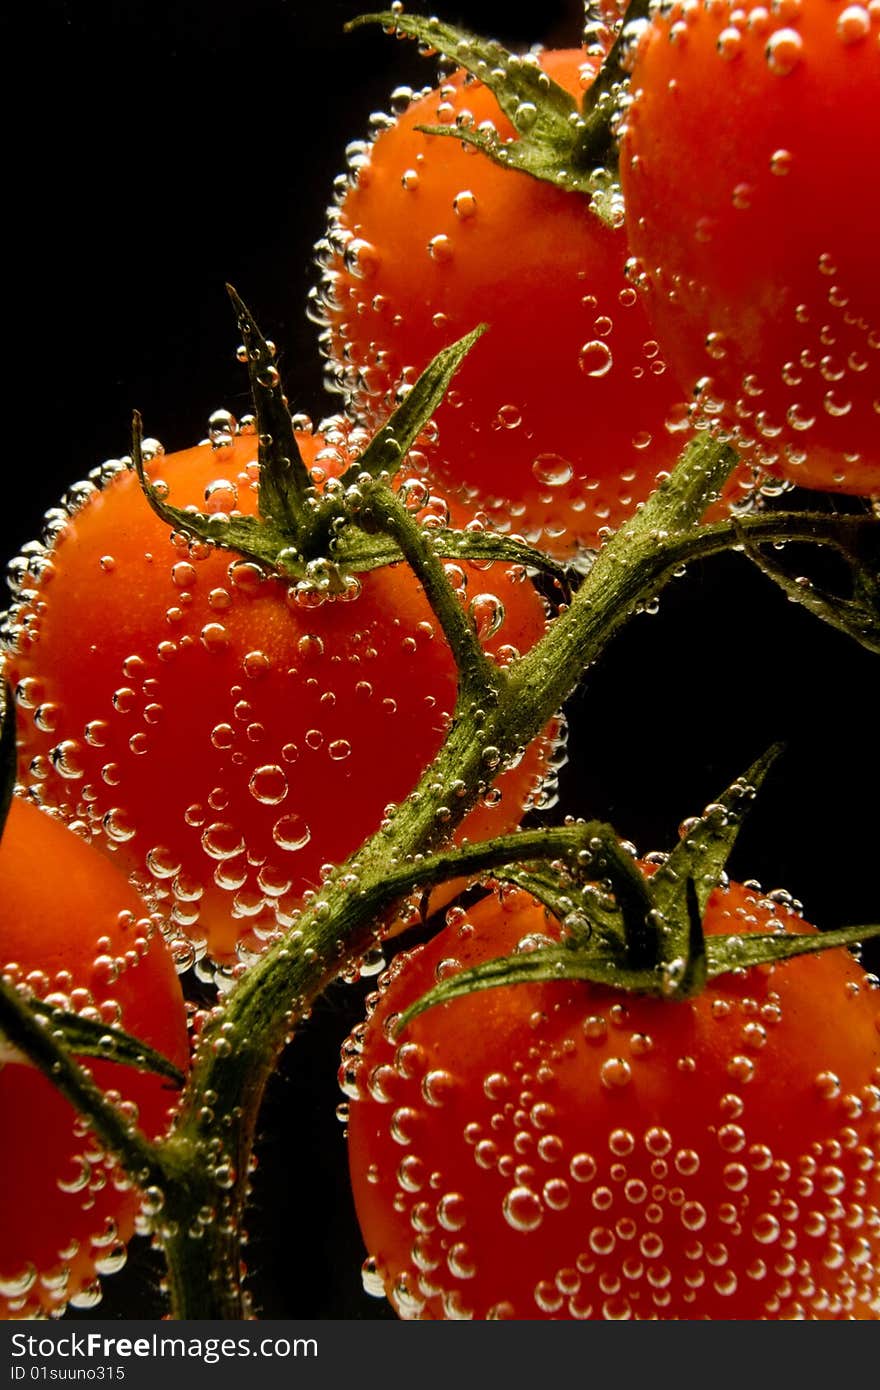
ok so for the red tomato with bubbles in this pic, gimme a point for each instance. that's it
(751, 177)
(75, 933)
(564, 1151)
(214, 732)
(563, 415)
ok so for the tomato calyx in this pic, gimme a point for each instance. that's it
(312, 537)
(639, 929)
(557, 141)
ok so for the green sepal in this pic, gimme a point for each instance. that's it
(705, 847)
(720, 955)
(253, 539)
(82, 1037)
(390, 445)
(287, 539)
(550, 127)
(284, 479)
(546, 965)
(726, 953)
(514, 81)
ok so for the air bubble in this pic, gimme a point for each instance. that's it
(615, 1073)
(853, 24)
(222, 841)
(784, 51)
(268, 785)
(552, 470)
(522, 1209)
(440, 249)
(595, 358)
(291, 833)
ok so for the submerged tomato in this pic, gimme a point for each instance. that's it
(750, 172)
(221, 738)
(75, 933)
(561, 1151)
(563, 415)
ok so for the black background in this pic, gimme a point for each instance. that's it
(154, 151)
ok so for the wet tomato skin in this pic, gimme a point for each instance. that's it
(220, 740)
(561, 1151)
(747, 191)
(557, 423)
(74, 931)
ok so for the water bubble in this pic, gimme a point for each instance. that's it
(451, 1211)
(291, 832)
(362, 260)
(552, 470)
(781, 162)
(615, 1073)
(522, 1209)
(730, 43)
(595, 358)
(488, 613)
(222, 841)
(64, 757)
(440, 249)
(268, 785)
(371, 1279)
(163, 862)
(117, 825)
(784, 51)
(853, 24)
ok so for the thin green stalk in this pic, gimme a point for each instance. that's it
(477, 676)
(21, 1027)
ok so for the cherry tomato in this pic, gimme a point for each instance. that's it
(749, 170)
(563, 415)
(562, 1150)
(219, 736)
(75, 933)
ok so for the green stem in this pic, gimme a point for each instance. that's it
(24, 1030)
(478, 678)
(596, 143)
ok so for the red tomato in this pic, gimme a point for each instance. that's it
(750, 173)
(561, 1150)
(563, 415)
(221, 739)
(74, 931)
